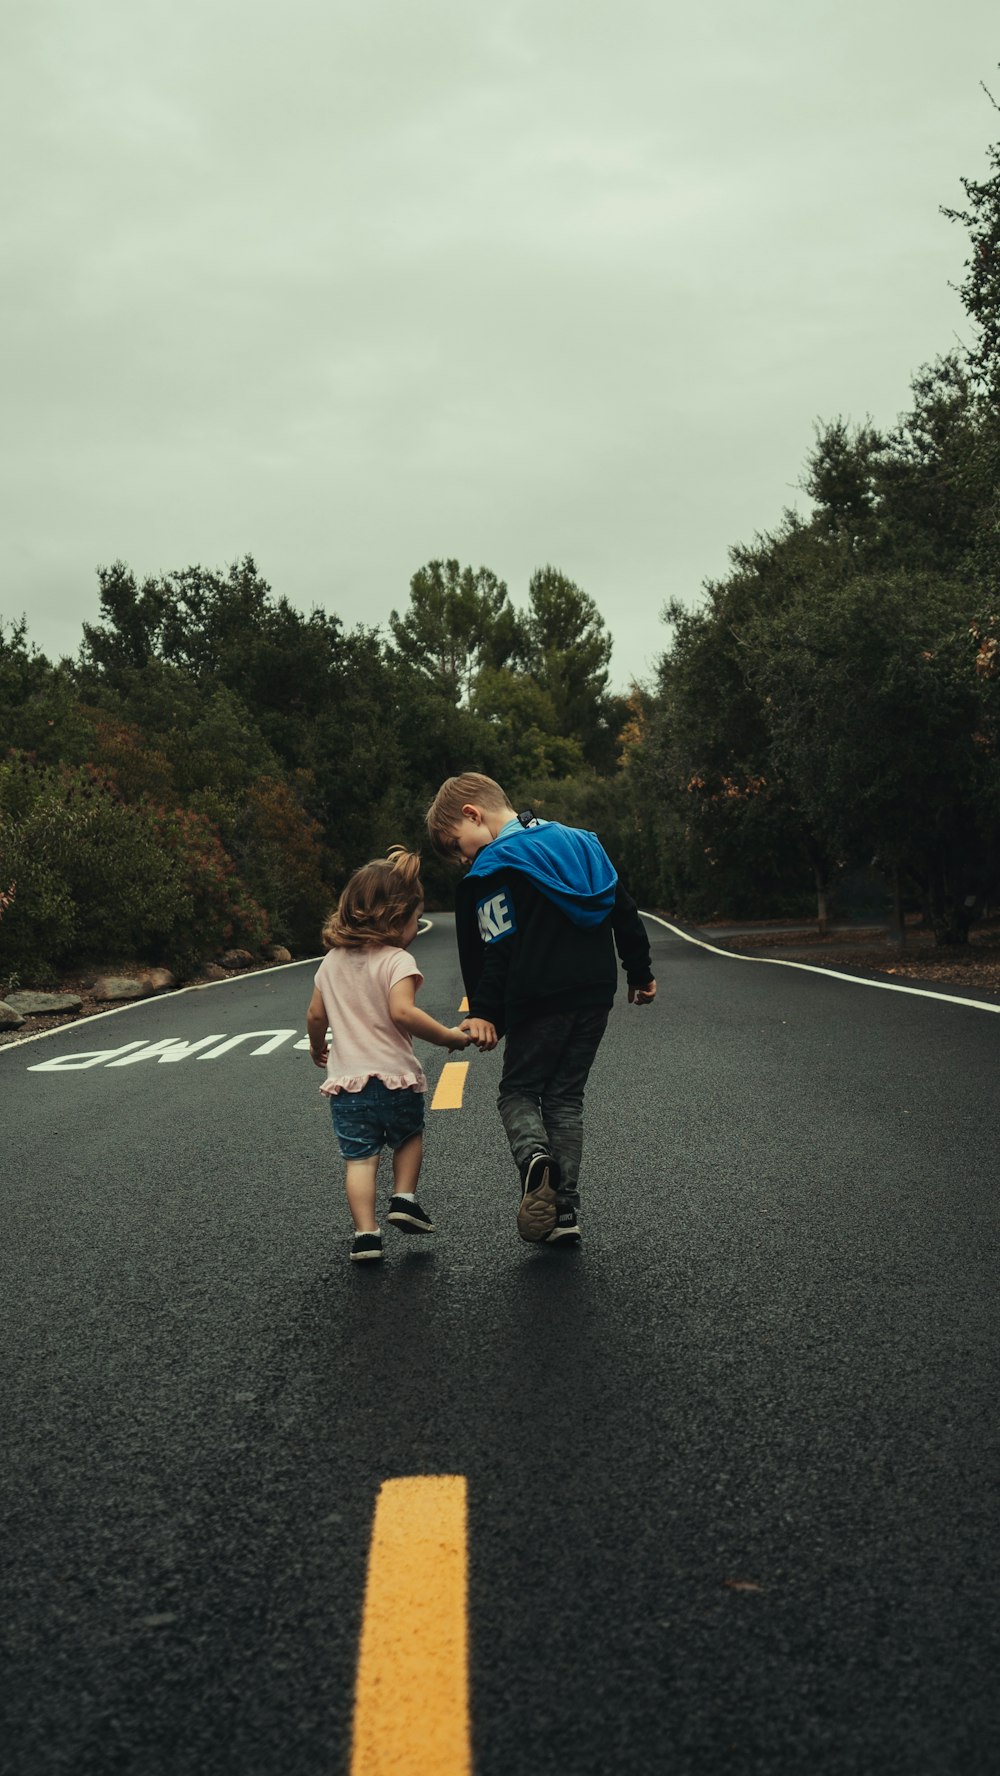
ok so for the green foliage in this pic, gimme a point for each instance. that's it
(98, 880)
(584, 799)
(210, 625)
(873, 706)
(211, 908)
(39, 711)
(567, 650)
(525, 724)
(89, 877)
(980, 291)
(130, 760)
(278, 853)
(727, 836)
(459, 621)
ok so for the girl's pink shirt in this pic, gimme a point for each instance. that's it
(364, 1041)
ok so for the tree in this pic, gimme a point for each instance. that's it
(525, 726)
(458, 622)
(980, 291)
(220, 629)
(567, 651)
(727, 834)
(241, 685)
(873, 710)
(39, 712)
(934, 477)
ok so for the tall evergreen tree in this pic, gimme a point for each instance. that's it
(458, 621)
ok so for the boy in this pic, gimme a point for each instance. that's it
(538, 918)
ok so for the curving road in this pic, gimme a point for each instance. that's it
(731, 1469)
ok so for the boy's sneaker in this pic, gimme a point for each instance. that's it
(566, 1231)
(366, 1245)
(536, 1216)
(409, 1216)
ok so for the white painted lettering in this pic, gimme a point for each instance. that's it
(172, 1048)
(169, 1049)
(277, 1037)
(76, 1063)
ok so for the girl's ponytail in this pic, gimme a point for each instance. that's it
(406, 865)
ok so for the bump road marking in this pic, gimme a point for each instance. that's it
(411, 1700)
(450, 1086)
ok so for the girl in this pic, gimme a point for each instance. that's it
(366, 992)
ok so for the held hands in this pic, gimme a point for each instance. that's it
(642, 995)
(479, 1032)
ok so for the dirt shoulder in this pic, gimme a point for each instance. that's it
(867, 950)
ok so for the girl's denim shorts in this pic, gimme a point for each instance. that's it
(375, 1117)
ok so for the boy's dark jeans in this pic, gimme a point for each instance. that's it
(545, 1068)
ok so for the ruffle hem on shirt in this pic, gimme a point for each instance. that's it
(409, 1081)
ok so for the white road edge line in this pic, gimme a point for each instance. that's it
(855, 980)
(175, 993)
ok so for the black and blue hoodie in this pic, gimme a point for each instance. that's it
(539, 917)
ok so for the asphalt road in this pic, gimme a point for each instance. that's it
(732, 1467)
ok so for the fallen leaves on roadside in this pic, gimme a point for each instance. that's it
(972, 965)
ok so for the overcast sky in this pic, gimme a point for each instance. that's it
(353, 285)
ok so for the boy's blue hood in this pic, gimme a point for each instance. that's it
(568, 865)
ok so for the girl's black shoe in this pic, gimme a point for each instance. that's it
(367, 1245)
(409, 1216)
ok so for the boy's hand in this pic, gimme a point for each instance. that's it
(319, 1055)
(458, 1039)
(481, 1032)
(642, 995)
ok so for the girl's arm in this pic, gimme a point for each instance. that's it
(407, 1015)
(316, 1028)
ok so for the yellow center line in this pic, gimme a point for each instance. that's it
(463, 1008)
(450, 1086)
(411, 1702)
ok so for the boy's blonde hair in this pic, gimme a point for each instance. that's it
(445, 811)
(378, 903)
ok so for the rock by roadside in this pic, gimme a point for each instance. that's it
(33, 1004)
(122, 986)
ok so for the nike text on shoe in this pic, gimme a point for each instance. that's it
(536, 1216)
(409, 1216)
(366, 1245)
(566, 1231)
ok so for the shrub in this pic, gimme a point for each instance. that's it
(90, 879)
(213, 909)
(97, 880)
